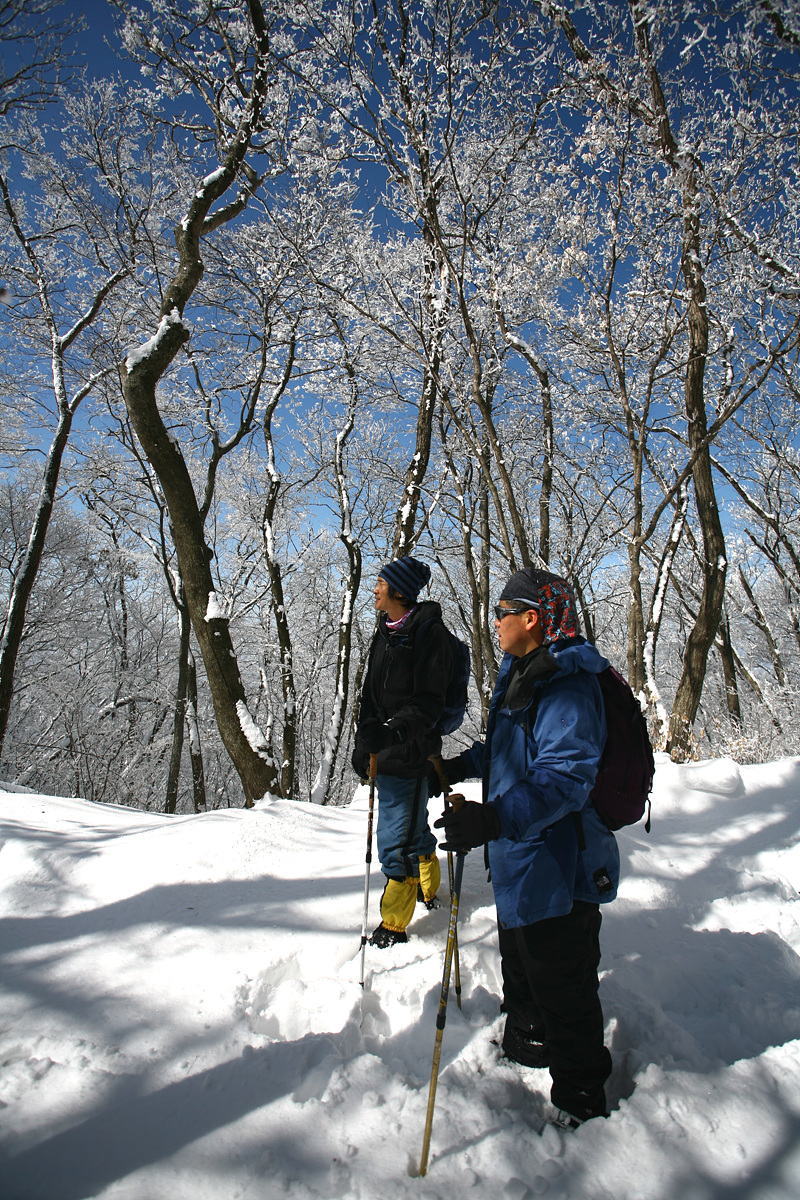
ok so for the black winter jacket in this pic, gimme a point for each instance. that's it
(406, 685)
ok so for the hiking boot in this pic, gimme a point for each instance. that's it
(431, 904)
(564, 1120)
(586, 1106)
(525, 1048)
(383, 937)
(569, 1123)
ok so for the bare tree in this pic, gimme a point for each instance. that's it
(352, 581)
(88, 233)
(238, 105)
(35, 38)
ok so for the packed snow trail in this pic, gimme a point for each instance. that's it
(181, 1015)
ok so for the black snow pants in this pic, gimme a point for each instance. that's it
(550, 990)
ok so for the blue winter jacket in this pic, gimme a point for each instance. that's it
(538, 765)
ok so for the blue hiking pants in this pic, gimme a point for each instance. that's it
(403, 832)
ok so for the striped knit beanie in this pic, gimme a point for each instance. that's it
(408, 576)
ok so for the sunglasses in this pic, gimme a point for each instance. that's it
(510, 612)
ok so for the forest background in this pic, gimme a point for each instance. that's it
(294, 288)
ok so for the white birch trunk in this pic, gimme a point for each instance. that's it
(321, 786)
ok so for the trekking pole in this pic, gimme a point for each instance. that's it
(441, 1016)
(373, 772)
(436, 759)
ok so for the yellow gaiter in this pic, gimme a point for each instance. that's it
(398, 902)
(430, 875)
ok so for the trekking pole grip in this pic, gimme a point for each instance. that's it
(438, 766)
(452, 801)
(373, 765)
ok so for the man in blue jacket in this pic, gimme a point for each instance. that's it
(553, 861)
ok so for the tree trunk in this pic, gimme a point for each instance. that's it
(585, 610)
(14, 624)
(484, 667)
(762, 624)
(729, 670)
(195, 744)
(288, 687)
(435, 307)
(484, 403)
(480, 449)
(179, 716)
(239, 734)
(548, 436)
(142, 372)
(658, 715)
(489, 659)
(636, 674)
(546, 489)
(321, 787)
(701, 638)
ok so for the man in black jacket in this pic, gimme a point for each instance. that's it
(402, 704)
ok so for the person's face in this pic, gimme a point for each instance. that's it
(519, 632)
(381, 594)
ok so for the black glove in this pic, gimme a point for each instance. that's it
(470, 825)
(376, 737)
(360, 762)
(454, 773)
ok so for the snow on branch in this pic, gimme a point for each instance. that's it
(215, 610)
(148, 349)
(252, 732)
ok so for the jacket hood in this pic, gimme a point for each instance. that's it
(578, 655)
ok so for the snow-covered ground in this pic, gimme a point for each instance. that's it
(182, 1017)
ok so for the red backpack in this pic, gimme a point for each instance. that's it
(625, 776)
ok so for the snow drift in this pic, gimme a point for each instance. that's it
(181, 1014)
